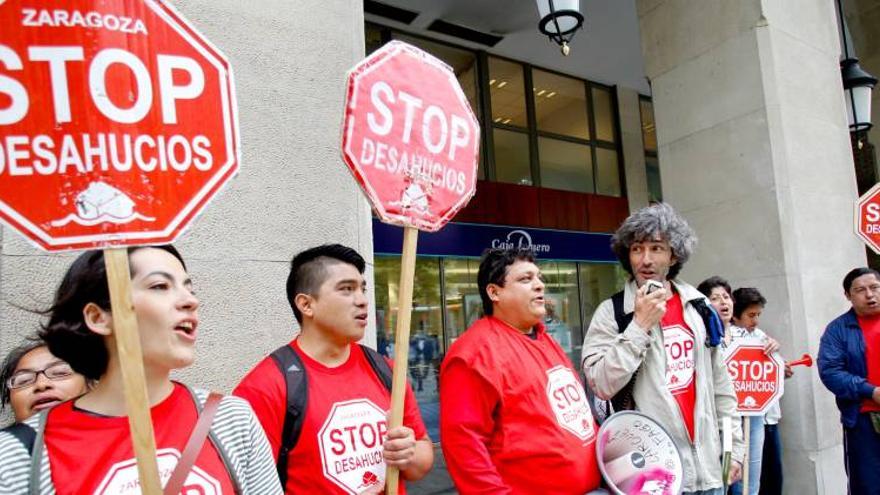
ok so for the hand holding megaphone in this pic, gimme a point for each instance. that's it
(637, 456)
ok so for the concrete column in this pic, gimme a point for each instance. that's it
(756, 154)
(293, 190)
(633, 148)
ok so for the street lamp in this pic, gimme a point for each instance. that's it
(560, 19)
(857, 86)
(857, 83)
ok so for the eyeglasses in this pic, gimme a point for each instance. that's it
(26, 378)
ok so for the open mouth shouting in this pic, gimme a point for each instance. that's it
(186, 328)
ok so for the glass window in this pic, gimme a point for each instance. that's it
(652, 169)
(507, 93)
(603, 105)
(607, 172)
(512, 162)
(373, 38)
(649, 132)
(463, 304)
(426, 331)
(565, 165)
(599, 281)
(560, 104)
(563, 319)
(463, 63)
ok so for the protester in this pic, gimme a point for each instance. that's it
(849, 366)
(769, 461)
(32, 379)
(658, 352)
(514, 418)
(340, 390)
(87, 441)
(748, 305)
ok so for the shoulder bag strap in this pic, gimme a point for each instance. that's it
(37, 456)
(193, 445)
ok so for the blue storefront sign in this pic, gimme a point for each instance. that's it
(470, 240)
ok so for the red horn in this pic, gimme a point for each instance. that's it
(805, 360)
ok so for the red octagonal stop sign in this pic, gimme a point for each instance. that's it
(757, 378)
(868, 218)
(117, 122)
(410, 137)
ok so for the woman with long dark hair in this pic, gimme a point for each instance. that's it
(84, 445)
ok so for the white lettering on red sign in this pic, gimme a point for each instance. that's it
(410, 137)
(350, 442)
(757, 377)
(117, 125)
(122, 478)
(679, 343)
(569, 402)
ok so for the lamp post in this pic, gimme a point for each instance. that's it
(560, 19)
(857, 84)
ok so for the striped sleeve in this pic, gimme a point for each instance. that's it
(15, 463)
(242, 437)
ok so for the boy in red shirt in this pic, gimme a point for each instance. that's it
(514, 417)
(343, 443)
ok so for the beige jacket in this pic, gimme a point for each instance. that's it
(609, 359)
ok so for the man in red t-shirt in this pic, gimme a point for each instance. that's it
(661, 362)
(514, 417)
(849, 366)
(344, 443)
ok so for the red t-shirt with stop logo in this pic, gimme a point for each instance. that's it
(871, 333)
(679, 341)
(339, 450)
(91, 453)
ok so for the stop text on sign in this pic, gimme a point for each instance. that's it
(178, 78)
(417, 127)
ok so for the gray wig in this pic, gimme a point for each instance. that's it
(657, 221)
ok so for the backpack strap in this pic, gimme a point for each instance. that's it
(291, 366)
(623, 399)
(379, 364)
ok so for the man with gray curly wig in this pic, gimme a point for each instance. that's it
(647, 348)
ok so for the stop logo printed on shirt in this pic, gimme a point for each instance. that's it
(351, 445)
(122, 477)
(569, 403)
(679, 343)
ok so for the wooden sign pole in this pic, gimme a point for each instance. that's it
(401, 341)
(128, 346)
(747, 428)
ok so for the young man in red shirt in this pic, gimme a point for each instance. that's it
(343, 443)
(514, 417)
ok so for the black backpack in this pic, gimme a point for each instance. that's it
(291, 366)
(623, 400)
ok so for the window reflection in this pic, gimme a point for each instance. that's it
(603, 106)
(560, 104)
(512, 164)
(507, 93)
(607, 172)
(565, 165)
(463, 304)
(563, 318)
(649, 130)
